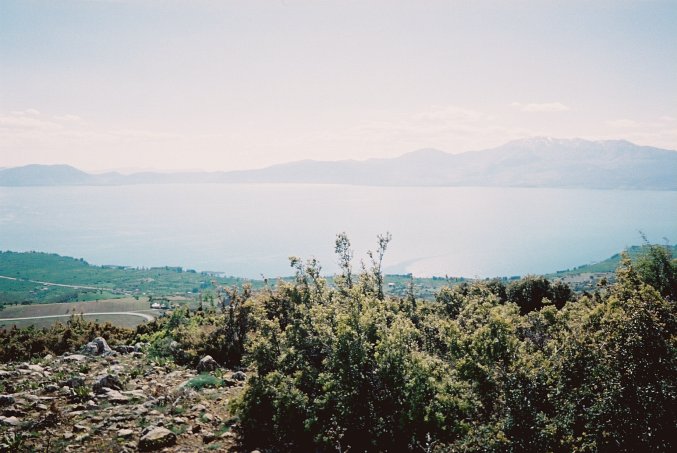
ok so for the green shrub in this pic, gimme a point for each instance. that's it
(204, 380)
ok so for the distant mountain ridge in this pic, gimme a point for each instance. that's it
(534, 162)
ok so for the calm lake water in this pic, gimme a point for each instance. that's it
(249, 230)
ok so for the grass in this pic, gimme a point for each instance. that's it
(204, 381)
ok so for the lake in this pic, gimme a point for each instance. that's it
(250, 230)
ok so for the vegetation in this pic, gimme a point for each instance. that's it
(24, 344)
(109, 281)
(495, 365)
(346, 367)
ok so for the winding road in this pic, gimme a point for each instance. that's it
(147, 317)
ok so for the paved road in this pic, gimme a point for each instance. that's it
(147, 317)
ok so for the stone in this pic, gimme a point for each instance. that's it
(74, 358)
(75, 381)
(35, 368)
(125, 433)
(50, 388)
(239, 376)
(9, 421)
(115, 397)
(207, 363)
(124, 349)
(6, 400)
(156, 439)
(110, 381)
(98, 346)
(208, 437)
(80, 428)
(90, 348)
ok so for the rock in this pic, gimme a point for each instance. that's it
(208, 437)
(207, 363)
(80, 428)
(115, 397)
(124, 349)
(6, 400)
(48, 358)
(239, 376)
(107, 381)
(35, 368)
(75, 381)
(97, 346)
(125, 433)
(116, 369)
(9, 421)
(91, 349)
(157, 438)
(228, 382)
(50, 388)
(74, 358)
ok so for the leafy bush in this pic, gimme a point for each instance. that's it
(345, 367)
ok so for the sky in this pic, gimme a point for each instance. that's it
(228, 85)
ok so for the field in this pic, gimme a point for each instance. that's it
(63, 310)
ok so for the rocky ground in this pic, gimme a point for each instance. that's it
(116, 401)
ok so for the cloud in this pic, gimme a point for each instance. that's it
(542, 107)
(659, 132)
(29, 129)
(450, 128)
(623, 123)
(26, 112)
(67, 117)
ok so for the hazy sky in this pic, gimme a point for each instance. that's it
(109, 84)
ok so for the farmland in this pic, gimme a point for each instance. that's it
(49, 311)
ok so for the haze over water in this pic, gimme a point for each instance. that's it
(250, 230)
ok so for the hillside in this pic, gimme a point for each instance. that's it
(88, 282)
(535, 162)
(21, 275)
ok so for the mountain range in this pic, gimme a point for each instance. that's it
(534, 162)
